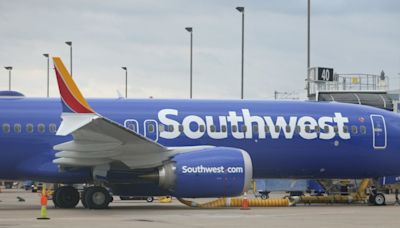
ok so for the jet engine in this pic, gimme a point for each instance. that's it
(214, 172)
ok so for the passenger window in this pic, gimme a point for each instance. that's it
(266, 128)
(317, 129)
(308, 129)
(363, 130)
(335, 129)
(326, 129)
(171, 128)
(354, 129)
(6, 128)
(234, 128)
(345, 129)
(255, 128)
(17, 128)
(180, 127)
(244, 128)
(212, 128)
(52, 128)
(287, 128)
(161, 128)
(150, 128)
(132, 127)
(277, 129)
(202, 128)
(29, 128)
(41, 128)
(297, 129)
(223, 128)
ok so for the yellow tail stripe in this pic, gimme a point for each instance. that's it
(70, 83)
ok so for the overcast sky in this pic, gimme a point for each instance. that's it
(149, 38)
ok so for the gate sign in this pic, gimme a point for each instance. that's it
(325, 74)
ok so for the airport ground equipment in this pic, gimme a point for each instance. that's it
(359, 196)
(148, 199)
(165, 199)
(295, 187)
(238, 202)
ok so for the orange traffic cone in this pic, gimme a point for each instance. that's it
(43, 203)
(245, 203)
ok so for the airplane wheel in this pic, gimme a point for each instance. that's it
(264, 196)
(54, 198)
(149, 199)
(97, 198)
(379, 199)
(66, 197)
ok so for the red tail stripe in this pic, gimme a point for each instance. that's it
(68, 98)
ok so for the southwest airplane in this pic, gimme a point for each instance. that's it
(186, 148)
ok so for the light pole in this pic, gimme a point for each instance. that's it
(9, 68)
(46, 55)
(308, 47)
(190, 29)
(69, 43)
(241, 10)
(126, 81)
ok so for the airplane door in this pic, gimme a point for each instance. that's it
(151, 129)
(132, 124)
(379, 137)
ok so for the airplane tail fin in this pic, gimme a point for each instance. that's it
(71, 97)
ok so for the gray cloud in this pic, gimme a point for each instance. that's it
(149, 38)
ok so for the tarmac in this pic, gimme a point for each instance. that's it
(14, 213)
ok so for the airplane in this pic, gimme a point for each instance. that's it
(186, 148)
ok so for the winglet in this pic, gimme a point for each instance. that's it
(71, 97)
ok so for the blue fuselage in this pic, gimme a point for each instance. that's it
(283, 139)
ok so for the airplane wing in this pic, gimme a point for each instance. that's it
(97, 140)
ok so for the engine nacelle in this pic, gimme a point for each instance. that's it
(214, 172)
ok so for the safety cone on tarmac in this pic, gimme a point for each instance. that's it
(43, 203)
(245, 202)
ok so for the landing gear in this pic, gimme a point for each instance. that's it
(96, 198)
(66, 197)
(377, 199)
(83, 198)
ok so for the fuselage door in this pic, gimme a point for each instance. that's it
(379, 134)
(151, 129)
